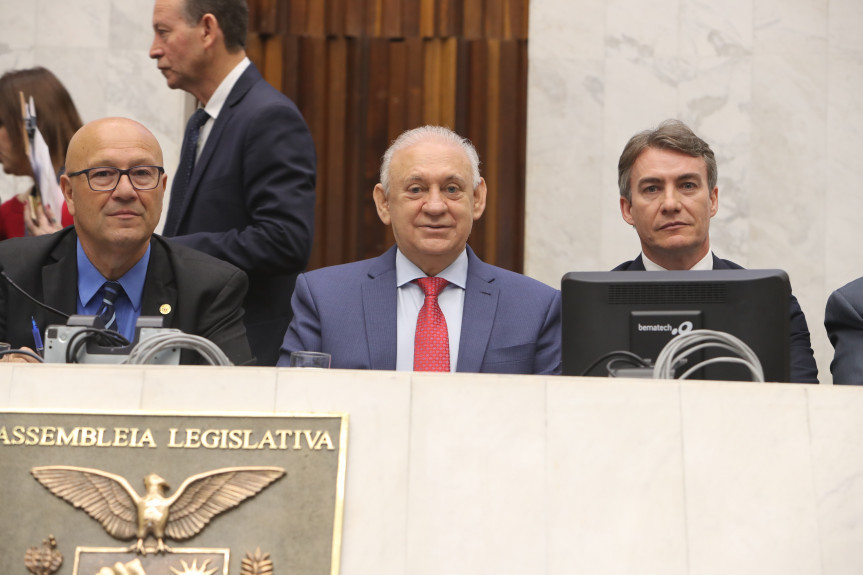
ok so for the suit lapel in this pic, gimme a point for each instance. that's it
(720, 264)
(480, 305)
(160, 287)
(58, 290)
(380, 304)
(244, 83)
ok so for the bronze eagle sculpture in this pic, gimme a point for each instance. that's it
(111, 500)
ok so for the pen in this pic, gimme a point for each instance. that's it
(37, 337)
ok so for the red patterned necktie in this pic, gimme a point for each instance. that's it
(431, 345)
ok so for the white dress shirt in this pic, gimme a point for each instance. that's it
(217, 100)
(704, 264)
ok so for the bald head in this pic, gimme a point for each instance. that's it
(114, 226)
(109, 133)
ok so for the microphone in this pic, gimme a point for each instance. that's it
(30, 297)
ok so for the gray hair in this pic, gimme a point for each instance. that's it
(669, 135)
(424, 134)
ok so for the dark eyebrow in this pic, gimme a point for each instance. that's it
(690, 176)
(643, 181)
(680, 178)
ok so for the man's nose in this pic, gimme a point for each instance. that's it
(124, 189)
(671, 199)
(435, 202)
(155, 49)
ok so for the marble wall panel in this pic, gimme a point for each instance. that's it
(169, 389)
(843, 27)
(6, 372)
(837, 463)
(83, 24)
(459, 509)
(563, 34)
(97, 387)
(570, 175)
(744, 448)
(473, 473)
(613, 509)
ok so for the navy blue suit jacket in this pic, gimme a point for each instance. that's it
(803, 368)
(510, 323)
(251, 202)
(843, 319)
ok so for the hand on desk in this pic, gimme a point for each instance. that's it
(12, 357)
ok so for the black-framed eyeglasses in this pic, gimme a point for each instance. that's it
(106, 179)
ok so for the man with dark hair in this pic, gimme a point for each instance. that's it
(245, 186)
(668, 193)
(110, 263)
(428, 303)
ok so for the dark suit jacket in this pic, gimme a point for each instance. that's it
(843, 319)
(204, 293)
(251, 203)
(510, 323)
(803, 368)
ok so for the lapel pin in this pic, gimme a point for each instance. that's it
(165, 309)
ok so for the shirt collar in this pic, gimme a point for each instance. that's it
(220, 96)
(90, 280)
(455, 273)
(705, 263)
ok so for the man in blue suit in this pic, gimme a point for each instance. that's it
(245, 188)
(367, 314)
(668, 193)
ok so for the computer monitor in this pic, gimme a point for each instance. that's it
(640, 311)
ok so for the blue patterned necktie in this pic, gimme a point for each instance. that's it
(184, 170)
(110, 291)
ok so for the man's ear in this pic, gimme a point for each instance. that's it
(382, 204)
(479, 197)
(210, 30)
(626, 211)
(714, 201)
(66, 188)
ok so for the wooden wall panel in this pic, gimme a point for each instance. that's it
(336, 246)
(363, 71)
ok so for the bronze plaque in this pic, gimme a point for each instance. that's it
(171, 494)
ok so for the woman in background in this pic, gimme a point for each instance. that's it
(57, 120)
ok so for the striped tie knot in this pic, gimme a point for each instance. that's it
(107, 313)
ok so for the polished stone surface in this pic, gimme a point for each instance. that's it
(469, 473)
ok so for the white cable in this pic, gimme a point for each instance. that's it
(147, 349)
(676, 350)
(726, 359)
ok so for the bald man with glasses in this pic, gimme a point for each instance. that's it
(110, 260)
